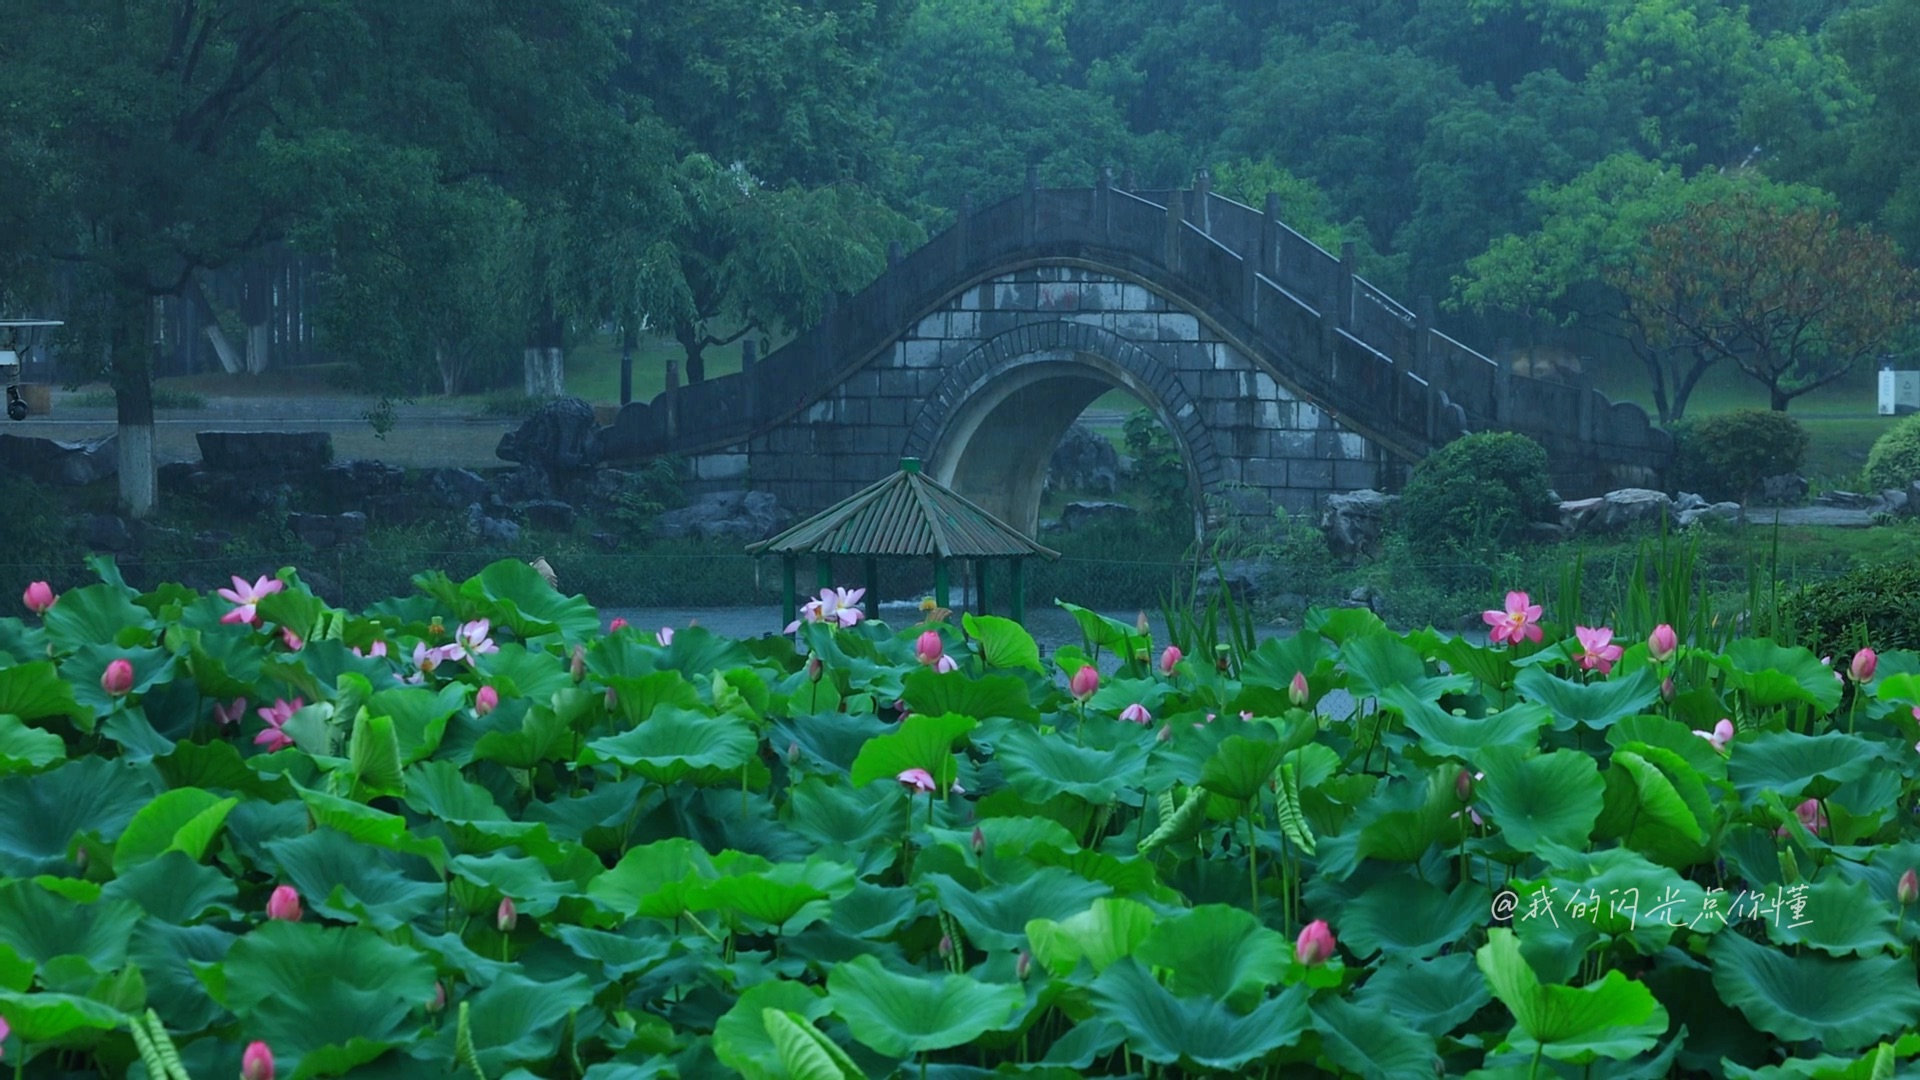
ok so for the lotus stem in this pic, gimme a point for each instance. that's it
(1253, 867)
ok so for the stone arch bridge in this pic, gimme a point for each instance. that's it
(1284, 376)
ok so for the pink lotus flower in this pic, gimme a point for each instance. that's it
(946, 664)
(1315, 944)
(38, 597)
(284, 904)
(834, 605)
(1662, 643)
(1298, 691)
(294, 641)
(1720, 736)
(1519, 622)
(276, 717)
(1863, 664)
(1085, 682)
(618, 624)
(118, 678)
(1136, 713)
(244, 596)
(1810, 815)
(1596, 649)
(507, 917)
(6, 1029)
(929, 649)
(917, 780)
(470, 640)
(257, 1062)
(378, 648)
(1907, 890)
(663, 636)
(1168, 659)
(487, 700)
(231, 714)
(1837, 677)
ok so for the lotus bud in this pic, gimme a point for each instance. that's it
(118, 678)
(1463, 786)
(1667, 691)
(38, 597)
(929, 649)
(1023, 966)
(487, 700)
(1140, 624)
(1168, 659)
(1909, 888)
(1863, 664)
(436, 629)
(1085, 682)
(1140, 657)
(613, 699)
(507, 917)
(439, 997)
(578, 669)
(979, 842)
(1662, 643)
(1222, 657)
(618, 624)
(1315, 944)
(294, 641)
(946, 946)
(284, 904)
(257, 1062)
(1166, 733)
(663, 637)
(815, 669)
(793, 753)
(1298, 691)
(80, 860)
(1136, 713)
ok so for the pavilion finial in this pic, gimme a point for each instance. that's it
(910, 464)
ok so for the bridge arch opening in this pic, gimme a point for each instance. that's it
(998, 443)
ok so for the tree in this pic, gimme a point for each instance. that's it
(1789, 295)
(1593, 227)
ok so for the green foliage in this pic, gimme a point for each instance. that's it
(698, 820)
(1878, 605)
(1159, 466)
(1725, 456)
(1476, 495)
(1894, 461)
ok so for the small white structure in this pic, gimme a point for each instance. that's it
(1899, 392)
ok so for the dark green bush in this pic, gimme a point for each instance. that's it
(1894, 461)
(1476, 495)
(1875, 605)
(1725, 456)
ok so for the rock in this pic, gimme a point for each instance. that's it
(352, 483)
(1575, 513)
(1366, 596)
(1084, 461)
(1686, 501)
(1895, 501)
(108, 532)
(401, 509)
(491, 530)
(252, 451)
(1728, 512)
(528, 483)
(67, 464)
(550, 514)
(1787, 489)
(1848, 500)
(1080, 515)
(322, 531)
(739, 516)
(454, 488)
(1831, 516)
(1052, 525)
(1243, 578)
(152, 537)
(606, 541)
(561, 434)
(1631, 508)
(1355, 522)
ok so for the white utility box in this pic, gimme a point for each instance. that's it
(1899, 392)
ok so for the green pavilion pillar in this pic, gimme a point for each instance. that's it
(871, 572)
(940, 582)
(789, 591)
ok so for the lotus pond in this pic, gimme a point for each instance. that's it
(465, 832)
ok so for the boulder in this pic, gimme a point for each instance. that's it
(738, 516)
(491, 530)
(1686, 501)
(1084, 461)
(1366, 596)
(453, 488)
(550, 514)
(400, 509)
(347, 484)
(1575, 513)
(1355, 522)
(1897, 502)
(528, 483)
(1848, 500)
(1242, 578)
(254, 451)
(1632, 508)
(1724, 512)
(560, 434)
(1787, 489)
(66, 464)
(1080, 515)
(322, 531)
(606, 541)
(108, 532)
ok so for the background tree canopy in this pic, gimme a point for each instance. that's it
(482, 180)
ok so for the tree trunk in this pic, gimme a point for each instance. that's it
(259, 348)
(545, 359)
(628, 343)
(1683, 388)
(133, 403)
(1780, 398)
(692, 341)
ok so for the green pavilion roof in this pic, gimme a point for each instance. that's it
(905, 515)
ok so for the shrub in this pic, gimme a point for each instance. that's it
(1894, 461)
(1874, 605)
(1476, 495)
(1727, 455)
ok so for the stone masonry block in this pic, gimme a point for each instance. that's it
(1179, 327)
(1309, 474)
(1355, 475)
(922, 354)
